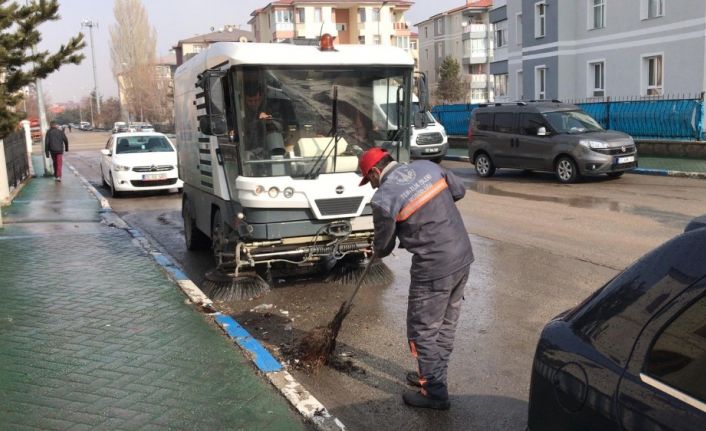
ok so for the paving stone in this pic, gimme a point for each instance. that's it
(94, 336)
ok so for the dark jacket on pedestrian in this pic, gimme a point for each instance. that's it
(416, 203)
(56, 141)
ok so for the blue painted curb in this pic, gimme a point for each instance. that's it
(645, 171)
(260, 356)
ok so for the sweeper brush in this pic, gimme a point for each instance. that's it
(318, 346)
(221, 286)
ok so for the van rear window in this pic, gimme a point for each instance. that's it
(484, 121)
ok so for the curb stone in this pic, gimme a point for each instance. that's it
(305, 403)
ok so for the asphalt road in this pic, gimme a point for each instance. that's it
(540, 248)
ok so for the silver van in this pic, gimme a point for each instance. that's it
(546, 136)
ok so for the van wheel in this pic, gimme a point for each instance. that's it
(615, 174)
(437, 160)
(484, 165)
(566, 170)
(193, 237)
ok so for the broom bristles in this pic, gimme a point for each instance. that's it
(317, 348)
(223, 287)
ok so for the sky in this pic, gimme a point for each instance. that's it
(173, 20)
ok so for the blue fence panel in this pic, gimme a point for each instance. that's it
(677, 119)
(454, 118)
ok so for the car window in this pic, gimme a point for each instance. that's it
(678, 355)
(623, 306)
(572, 122)
(530, 123)
(505, 123)
(143, 144)
(484, 121)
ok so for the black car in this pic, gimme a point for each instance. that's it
(632, 356)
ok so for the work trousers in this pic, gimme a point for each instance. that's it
(57, 159)
(432, 315)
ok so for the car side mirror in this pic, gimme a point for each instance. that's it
(106, 152)
(542, 131)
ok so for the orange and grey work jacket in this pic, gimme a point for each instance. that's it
(415, 202)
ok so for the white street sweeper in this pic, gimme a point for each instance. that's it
(268, 140)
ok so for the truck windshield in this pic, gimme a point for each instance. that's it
(572, 122)
(303, 122)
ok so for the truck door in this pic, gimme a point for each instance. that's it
(532, 151)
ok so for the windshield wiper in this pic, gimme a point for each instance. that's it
(335, 136)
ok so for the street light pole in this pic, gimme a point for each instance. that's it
(90, 24)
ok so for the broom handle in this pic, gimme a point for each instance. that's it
(349, 301)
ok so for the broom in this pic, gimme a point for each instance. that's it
(318, 346)
(220, 286)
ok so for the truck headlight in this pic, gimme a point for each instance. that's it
(288, 192)
(259, 190)
(273, 192)
(121, 168)
(594, 145)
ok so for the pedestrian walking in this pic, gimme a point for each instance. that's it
(415, 203)
(55, 143)
(69, 127)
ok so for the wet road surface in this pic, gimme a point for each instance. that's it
(540, 248)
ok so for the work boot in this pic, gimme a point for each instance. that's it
(413, 379)
(417, 399)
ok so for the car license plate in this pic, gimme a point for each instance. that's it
(431, 150)
(153, 177)
(627, 159)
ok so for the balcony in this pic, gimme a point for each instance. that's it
(283, 26)
(477, 31)
(479, 81)
(476, 56)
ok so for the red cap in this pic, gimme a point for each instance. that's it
(369, 159)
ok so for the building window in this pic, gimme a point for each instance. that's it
(519, 86)
(500, 85)
(518, 28)
(655, 8)
(413, 44)
(598, 13)
(317, 14)
(654, 73)
(402, 42)
(540, 83)
(361, 40)
(540, 19)
(376, 39)
(283, 15)
(301, 14)
(426, 31)
(376, 14)
(501, 34)
(478, 94)
(361, 14)
(596, 73)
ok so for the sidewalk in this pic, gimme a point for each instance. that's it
(650, 165)
(94, 336)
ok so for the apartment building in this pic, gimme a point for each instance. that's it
(349, 21)
(187, 48)
(579, 49)
(465, 34)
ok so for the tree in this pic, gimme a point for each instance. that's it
(133, 47)
(18, 67)
(451, 87)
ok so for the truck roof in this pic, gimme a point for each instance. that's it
(282, 54)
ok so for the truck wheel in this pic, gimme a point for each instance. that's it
(193, 237)
(566, 170)
(484, 165)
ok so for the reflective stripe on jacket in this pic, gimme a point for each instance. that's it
(415, 203)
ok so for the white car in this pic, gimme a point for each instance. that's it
(138, 161)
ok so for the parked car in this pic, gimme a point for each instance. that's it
(546, 136)
(139, 161)
(632, 356)
(85, 126)
(120, 127)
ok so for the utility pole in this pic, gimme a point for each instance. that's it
(90, 24)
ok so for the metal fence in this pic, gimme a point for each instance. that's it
(679, 118)
(16, 158)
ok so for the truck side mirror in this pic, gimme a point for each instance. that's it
(542, 131)
(422, 91)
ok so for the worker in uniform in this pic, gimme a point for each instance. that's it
(415, 203)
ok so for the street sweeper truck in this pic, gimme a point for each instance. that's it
(268, 138)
